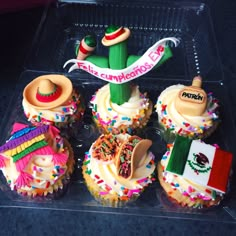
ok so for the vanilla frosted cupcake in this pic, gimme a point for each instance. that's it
(187, 111)
(127, 117)
(36, 160)
(194, 174)
(52, 100)
(117, 169)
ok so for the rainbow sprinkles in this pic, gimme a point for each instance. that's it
(127, 172)
(34, 158)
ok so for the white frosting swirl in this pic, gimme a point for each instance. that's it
(186, 187)
(113, 115)
(105, 175)
(58, 114)
(42, 169)
(180, 123)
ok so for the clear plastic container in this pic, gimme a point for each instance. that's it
(197, 53)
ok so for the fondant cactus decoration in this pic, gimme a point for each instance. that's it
(119, 68)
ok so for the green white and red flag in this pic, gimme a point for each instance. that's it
(201, 163)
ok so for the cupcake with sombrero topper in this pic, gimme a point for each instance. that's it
(119, 106)
(51, 99)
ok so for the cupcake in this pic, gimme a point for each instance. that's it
(187, 111)
(119, 106)
(118, 168)
(52, 100)
(193, 173)
(36, 161)
(127, 117)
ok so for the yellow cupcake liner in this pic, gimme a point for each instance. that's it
(110, 200)
(185, 201)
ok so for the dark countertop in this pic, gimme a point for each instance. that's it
(18, 29)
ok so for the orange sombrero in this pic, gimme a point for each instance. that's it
(48, 91)
(114, 35)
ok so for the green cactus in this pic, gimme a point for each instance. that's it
(118, 59)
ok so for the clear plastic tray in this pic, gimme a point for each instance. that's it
(153, 201)
(197, 53)
(62, 27)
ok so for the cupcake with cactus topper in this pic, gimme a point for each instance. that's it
(117, 168)
(52, 100)
(36, 161)
(119, 106)
(187, 111)
(195, 174)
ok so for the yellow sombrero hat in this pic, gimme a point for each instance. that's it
(114, 35)
(48, 91)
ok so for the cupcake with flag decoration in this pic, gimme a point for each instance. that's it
(118, 168)
(52, 100)
(187, 111)
(36, 161)
(195, 174)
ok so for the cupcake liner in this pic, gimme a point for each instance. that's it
(110, 200)
(176, 196)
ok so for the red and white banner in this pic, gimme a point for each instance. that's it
(142, 66)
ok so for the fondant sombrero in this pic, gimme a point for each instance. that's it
(114, 35)
(48, 91)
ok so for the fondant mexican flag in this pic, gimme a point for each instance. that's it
(201, 163)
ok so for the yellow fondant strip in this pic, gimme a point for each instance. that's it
(23, 146)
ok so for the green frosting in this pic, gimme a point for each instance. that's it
(120, 93)
(29, 149)
(90, 41)
(112, 28)
(98, 61)
(179, 155)
(118, 59)
(77, 49)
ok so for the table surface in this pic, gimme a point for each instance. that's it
(18, 29)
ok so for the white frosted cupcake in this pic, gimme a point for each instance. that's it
(52, 100)
(117, 169)
(36, 160)
(187, 111)
(111, 117)
(193, 173)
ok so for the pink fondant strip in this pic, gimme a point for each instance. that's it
(2, 161)
(23, 179)
(17, 127)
